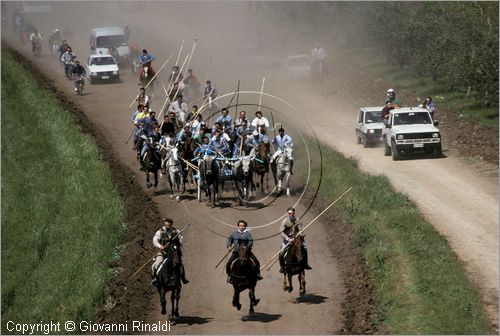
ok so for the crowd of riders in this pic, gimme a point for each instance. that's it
(184, 124)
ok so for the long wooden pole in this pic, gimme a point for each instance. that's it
(179, 55)
(261, 92)
(301, 231)
(191, 56)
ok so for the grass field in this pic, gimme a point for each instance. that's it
(62, 219)
(421, 285)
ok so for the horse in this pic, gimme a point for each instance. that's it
(209, 177)
(186, 152)
(295, 264)
(281, 168)
(169, 279)
(146, 76)
(173, 168)
(244, 276)
(243, 178)
(151, 162)
(261, 166)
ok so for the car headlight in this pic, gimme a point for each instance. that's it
(400, 137)
(371, 131)
(115, 72)
(93, 73)
(435, 135)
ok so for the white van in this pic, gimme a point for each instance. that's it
(102, 39)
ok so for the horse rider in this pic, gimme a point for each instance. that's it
(260, 123)
(164, 237)
(139, 127)
(35, 38)
(155, 137)
(77, 71)
(180, 108)
(386, 111)
(167, 126)
(240, 119)
(142, 98)
(238, 237)
(176, 76)
(199, 136)
(290, 227)
(205, 149)
(209, 92)
(219, 143)
(225, 119)
(149, 122)
(175, 91)
(240, 133)
(391, 95)
(255, 140)
(145, 59)
(279, 142)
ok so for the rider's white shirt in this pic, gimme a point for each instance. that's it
(259, 122)
(180, 111)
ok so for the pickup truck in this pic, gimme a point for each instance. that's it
(410, 130)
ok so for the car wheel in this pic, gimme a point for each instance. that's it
(363, 139)
(387, 149)
(438, 152)
(395, 154)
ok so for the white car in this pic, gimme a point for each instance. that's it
(298, 66)
(409, 130)
(102, 67)
(369, 125)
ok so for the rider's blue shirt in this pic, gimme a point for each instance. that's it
(146, 58)
(220, 144)
(279, 142)
(225, 120)
(205, 150)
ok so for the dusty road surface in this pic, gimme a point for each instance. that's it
(459, 200)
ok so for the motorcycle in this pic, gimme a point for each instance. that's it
(79, 83)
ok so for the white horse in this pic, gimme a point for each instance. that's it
(173, 167)
(281, 168)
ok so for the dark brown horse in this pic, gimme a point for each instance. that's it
(169, 279)
(261, 167)
(244, 276)
(151, 164)
(295, 264)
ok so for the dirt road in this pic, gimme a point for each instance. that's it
(460, 201)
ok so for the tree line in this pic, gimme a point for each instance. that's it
(454, 43)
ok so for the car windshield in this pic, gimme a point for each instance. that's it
(373, 117)
(102, 61)
(111, 40)
(298, 61)
(412, 118)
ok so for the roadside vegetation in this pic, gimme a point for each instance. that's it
(62, 219)
(421, 285)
